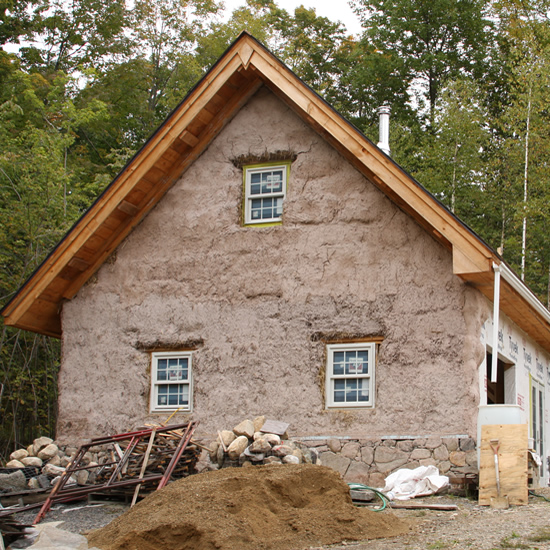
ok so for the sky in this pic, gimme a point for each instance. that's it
(335, 10)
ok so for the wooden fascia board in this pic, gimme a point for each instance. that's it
(473, 254)
(124, 183)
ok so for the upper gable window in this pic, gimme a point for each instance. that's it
(265, 191)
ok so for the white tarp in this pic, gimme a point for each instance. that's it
(422, 481)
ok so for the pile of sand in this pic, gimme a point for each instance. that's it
(265, 507)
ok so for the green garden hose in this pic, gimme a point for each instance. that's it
(382, 496)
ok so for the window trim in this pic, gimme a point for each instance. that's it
(247, 200)
(155, 356)
(370, 346)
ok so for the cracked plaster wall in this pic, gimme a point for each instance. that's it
(345, 261)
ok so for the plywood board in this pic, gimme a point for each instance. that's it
(512, 458)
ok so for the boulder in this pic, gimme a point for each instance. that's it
(335, 461)
(245, 428)
(259, 421)
(15, 464)
(48, 452)
(291, 459)
(32, 461)
(82, 477)
(260, 446)
(55, 461)
(227, 437)
(19, 454)
(272, 439)
(33, 483)
(39, 444)
(282, 450)
(237, 447)
(14, 481)
(53, 470)
(30, 450)
(272, 460)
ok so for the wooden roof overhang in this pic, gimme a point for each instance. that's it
(240, 72)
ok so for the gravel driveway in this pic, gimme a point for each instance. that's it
(471, 527)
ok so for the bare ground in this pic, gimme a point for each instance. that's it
(472, 527)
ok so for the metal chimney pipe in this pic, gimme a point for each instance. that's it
(384, 128)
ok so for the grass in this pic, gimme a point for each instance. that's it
(437, 545)
(506, 542)
(542, 536)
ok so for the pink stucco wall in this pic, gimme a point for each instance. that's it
(345, 262)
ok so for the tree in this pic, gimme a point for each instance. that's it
(430, 43)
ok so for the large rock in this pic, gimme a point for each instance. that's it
(441, 453)
(55, 460)
(39, 444)
(32, 461)
(227, 437)
(15, 464)
(458, 458)
(272, 439)
(260, 445)
(53, 470)
(246, 428)
(259, 422)
(335, 461)
(282, 450)
(388, 459)
(237, 447)
(291, 459)
(358, 472)
(19, 454)
(350, 450)
(14, 481)
(48, 452)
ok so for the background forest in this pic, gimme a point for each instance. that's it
(467, 81)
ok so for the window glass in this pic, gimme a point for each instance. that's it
(350, 375)
(265, 190)
(171, 381)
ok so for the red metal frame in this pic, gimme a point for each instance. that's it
(59, 494)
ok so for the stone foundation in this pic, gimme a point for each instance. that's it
(370, 461)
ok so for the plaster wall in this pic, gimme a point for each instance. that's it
(259, 303)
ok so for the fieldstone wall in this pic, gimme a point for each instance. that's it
(370, 461)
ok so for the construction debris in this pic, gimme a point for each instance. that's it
(135, 461)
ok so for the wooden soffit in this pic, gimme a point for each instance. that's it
(187, 132)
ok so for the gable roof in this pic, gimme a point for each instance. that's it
(187, 132)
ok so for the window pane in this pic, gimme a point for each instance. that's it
(161, 369)
(351, 390)
(363, 389)
(339, 391)
(256, 209)
(162, 392)
(255, 178)
(278, 208)
(255, 189)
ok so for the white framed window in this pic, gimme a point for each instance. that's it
(350, 375)
(265, 191)
(171, 381)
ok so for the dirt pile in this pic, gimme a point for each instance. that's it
(256, 508)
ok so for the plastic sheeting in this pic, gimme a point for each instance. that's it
(422, 481)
